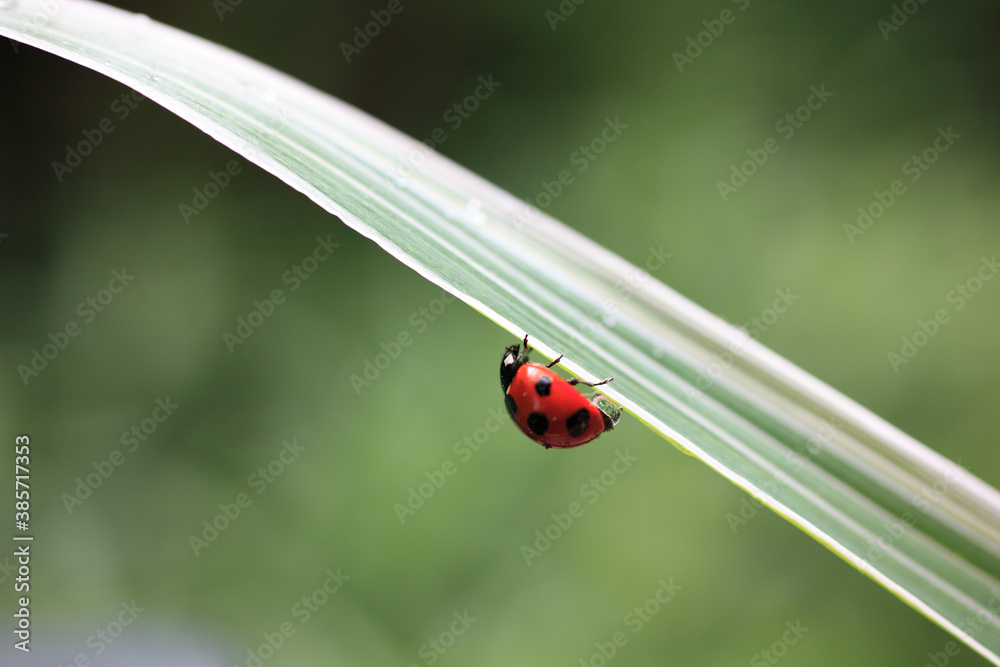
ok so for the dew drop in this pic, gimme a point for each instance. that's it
(475, 207)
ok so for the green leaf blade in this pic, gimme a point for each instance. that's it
(920, 525)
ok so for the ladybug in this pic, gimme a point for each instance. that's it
(547, 408)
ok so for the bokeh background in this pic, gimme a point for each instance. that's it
(414, 584)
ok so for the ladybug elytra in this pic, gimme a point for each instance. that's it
(547, 408)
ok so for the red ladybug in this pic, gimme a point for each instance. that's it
(547, 408)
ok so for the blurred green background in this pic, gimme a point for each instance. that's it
(362, 452)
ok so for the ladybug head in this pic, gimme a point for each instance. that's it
(509, 363)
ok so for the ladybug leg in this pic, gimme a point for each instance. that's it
(555, 361)
(590, 384)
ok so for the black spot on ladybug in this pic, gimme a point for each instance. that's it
(543, 386)
(511, 405)
(538, 423)
(578, 422)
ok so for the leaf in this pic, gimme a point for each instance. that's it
(908, 518)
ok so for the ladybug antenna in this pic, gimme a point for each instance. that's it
(524, 352)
